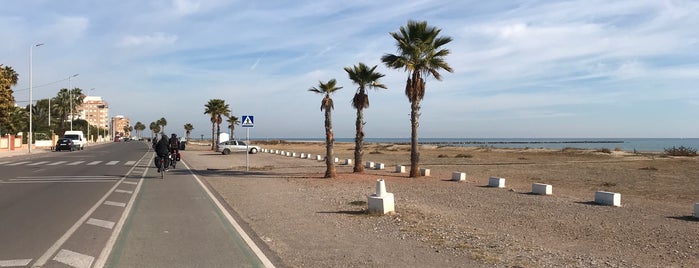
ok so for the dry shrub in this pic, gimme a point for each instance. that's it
(463, 156)
(681, 151)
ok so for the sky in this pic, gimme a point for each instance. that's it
(527, 69)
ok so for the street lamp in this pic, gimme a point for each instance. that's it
(70, 96)
(31, 48)
(87, 119)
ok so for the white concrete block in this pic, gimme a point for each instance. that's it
(369, 165)
(542, 189)
(608, 198)
(319, 158)
(379, 166)
(303, 155)
(425, 172)
(348, 161)
(496, 182)
(293, 154)
(458, 176)
(381, 202)
(288, 154)
(282, 153)
(696, 210)
(400, 169)
(337, 160)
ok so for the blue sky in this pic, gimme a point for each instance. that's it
(588, 68)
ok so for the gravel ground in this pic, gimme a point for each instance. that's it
(309, 221)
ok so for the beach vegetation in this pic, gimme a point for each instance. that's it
(463, 156)
(442, 156)
(8, 79)
(365, 78)
(375, 152)
(420, 54)
(327, 105)
(162, 122)
(154, 129)
(232, 122)
(216, 108)
(649, 168)
(188, 130)
(603, 150)
(681, 151)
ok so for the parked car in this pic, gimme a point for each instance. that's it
(78, 138)
(228, 147)
(183, 143)
(65, 144)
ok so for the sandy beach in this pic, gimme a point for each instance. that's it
(308, 221)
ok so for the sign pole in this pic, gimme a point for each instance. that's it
(247, 149)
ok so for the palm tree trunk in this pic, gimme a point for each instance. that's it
(414, 153)
(218, 134)
(358, 142)
(330, 171)
(213, 139)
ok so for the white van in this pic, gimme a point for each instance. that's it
(77, 136)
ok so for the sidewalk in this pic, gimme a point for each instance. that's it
(22, 151)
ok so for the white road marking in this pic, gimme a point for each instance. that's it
(260, 255)
(76, 163)
(130, 182)
(15, 263)
(123, 191)
(94, 163)
(18, 163)
(116, 204)
(101, 223)
(58, 163)
(38, 163)
(129, 163)
(111, 163)
(74, 259)
(4, 162)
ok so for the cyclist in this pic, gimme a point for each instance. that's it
(175, 146)
(161, 145)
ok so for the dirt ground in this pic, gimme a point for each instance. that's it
(309, 221)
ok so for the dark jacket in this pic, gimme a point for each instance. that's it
(162, 146)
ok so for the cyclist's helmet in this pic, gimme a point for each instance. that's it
(174, 135)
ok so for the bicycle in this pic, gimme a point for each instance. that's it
(162, 167)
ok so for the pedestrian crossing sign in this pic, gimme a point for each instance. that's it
(248, 121)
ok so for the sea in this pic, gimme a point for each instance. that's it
(625, 144)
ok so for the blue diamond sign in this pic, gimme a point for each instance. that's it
(248, 121)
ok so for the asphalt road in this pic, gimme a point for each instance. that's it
(107, 206)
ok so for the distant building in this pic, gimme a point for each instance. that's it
(95, 111)
(118, 123)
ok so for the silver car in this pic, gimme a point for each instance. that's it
(228, 147)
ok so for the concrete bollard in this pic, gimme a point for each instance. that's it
(319, 158)
(379, 166)
(369, 165)
(542, 189)
(425, 172)
(381, 202)
(458, 176)
(348, 161)
(400, 169)
(337, 160)
(303, 155)
(288, 154)
(696, 210)
(293, 154)
(282, 153)
(496, 182)
(608, 198)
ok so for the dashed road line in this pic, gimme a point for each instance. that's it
(101, 223)
(111, 163)
(76, 163)
(58, 163)
(94, 163)
(18, 163)
(116, 204)
(4, 162)
(38, 163)
(129, 163)
(15, 263)
(74, 259)
(130, 182)
(123, 191)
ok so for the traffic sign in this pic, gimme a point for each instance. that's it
(248, 121)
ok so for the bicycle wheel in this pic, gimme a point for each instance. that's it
(162, 170)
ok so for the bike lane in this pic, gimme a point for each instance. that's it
(176, 222)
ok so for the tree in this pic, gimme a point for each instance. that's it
(188, 130)
(162, 123)
(216, 108)
(327, 106)
(420, 54)
(8, 78)
(154, 129)
(139, 127)
(232, 121)
(365, 78)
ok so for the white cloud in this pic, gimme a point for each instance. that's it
(185, 7)
(152, 40)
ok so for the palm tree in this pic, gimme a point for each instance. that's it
(154, 129)
(188, 130)
(162, 122)
(232, 121)
(365, 78)
(8, 78)
(139, 127)
(216, 108)
(420, 53)
(327, 106)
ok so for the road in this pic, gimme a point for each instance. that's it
(107, 207)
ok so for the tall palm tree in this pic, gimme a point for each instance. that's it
(8, 78)
(216, 108)
(162, 123)
(188, 130)
(232, 121)
(420, 54)
(327, 106)
(139, 127)
(365, 78)
(154, 129)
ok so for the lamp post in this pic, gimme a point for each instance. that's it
(87, 119)
(99, 112)
(31, 48)
(70, 96)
